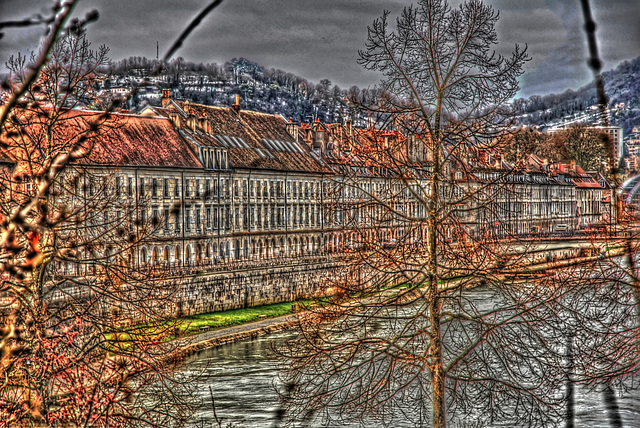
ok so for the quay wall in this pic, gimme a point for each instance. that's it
(246, 285)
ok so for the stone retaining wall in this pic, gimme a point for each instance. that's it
(253, 286)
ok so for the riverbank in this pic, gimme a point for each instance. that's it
(191, 344)
(194, 343)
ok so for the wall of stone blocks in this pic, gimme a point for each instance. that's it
(247, 287)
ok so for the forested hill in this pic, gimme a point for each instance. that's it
(622, 86)
(261, 89)
(281, 92)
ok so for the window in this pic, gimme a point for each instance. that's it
(198, 219)
(141, 191)
(197, 188)
(118, 186)
(165, 188)
(166, 219)
(245, 218)
(208, 211)
(176, 189)
(187, 219)
(187, 188)
(154, 187)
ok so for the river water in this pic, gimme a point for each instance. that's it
(244, 377)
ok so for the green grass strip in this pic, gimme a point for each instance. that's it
(194, 324)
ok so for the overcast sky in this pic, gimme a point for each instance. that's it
(319, 39)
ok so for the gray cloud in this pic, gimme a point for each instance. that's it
(320, 39)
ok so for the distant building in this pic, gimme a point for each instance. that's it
(226, 184)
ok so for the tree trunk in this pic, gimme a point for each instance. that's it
(437, 368)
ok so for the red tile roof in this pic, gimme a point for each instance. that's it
(120, 139)
(252, 139)
(143, 141)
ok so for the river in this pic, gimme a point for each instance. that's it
(243, 377)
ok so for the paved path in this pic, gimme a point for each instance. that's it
(207, 339)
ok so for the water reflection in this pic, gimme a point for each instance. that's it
(243, 377)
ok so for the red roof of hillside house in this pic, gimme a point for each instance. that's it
(252, 139)
(118, 139)
(582, 179)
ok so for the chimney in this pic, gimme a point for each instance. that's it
(174, 117)
(573, 166)
(191, 120)
(166, 97)
(203, 123)
(305, 128)
(292, 129)
(191, 117)
(318, 141)
(349, 129)
(236, 105)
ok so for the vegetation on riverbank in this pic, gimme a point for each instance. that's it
(195, 324)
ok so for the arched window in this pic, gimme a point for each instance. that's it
(178, 256)
(166, 256)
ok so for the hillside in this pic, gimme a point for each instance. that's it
(281, 92)
(622, 86)
(261, 89)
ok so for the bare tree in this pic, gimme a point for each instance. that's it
(427, 207)
(583, 144)
(84, 322)
(436, 311)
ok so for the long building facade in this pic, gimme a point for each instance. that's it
(222, 184)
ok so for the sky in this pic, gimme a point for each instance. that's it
(318, 39)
